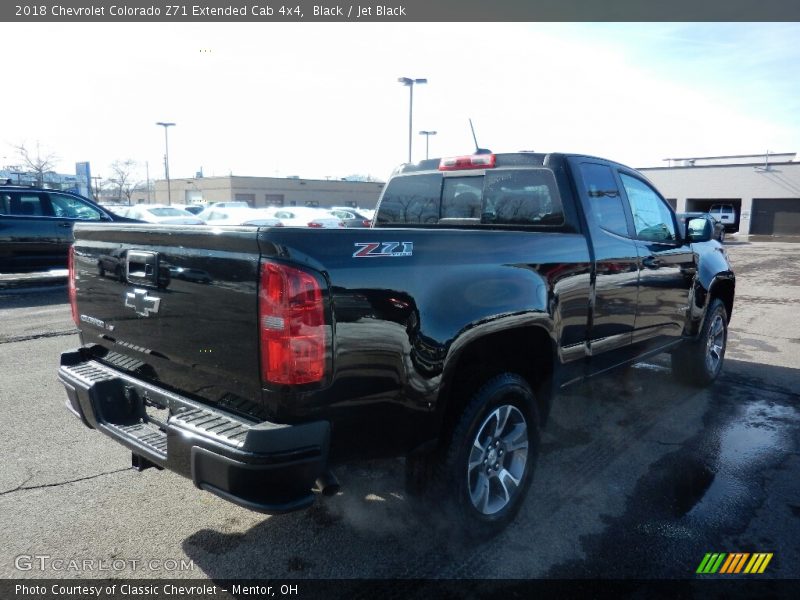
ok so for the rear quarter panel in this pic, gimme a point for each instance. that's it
(399, 322)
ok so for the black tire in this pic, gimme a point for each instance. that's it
(699, 362)
(485, 497)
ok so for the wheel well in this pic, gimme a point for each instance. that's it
(724, 290)
(527, 352)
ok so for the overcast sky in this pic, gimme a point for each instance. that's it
(322, 99)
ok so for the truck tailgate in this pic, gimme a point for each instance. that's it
(157, 303)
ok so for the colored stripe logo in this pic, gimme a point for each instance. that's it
(734, 563)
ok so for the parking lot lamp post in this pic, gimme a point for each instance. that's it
(407, 81)
(427, 135)
(166, 157)
(97, 179)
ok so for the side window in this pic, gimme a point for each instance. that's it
(72, 208)
(25, 204)
(5, 204)
(651, 217)
(605, 199)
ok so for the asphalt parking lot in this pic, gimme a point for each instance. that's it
(636, 480)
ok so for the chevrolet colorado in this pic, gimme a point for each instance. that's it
(486, 284)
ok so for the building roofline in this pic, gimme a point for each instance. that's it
(734, 156)
(722, 166)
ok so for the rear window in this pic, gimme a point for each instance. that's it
(504, 197)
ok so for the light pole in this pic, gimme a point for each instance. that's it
(166, 158)
(147, 170)
(97, 179)
(427, 135)
(407, 81)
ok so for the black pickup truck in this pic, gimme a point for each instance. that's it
(487, 283)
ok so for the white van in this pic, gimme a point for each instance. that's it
(725, 214)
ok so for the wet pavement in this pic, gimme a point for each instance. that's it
(709, 494)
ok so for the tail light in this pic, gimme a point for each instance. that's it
(341, 224)
(294, 338)
(366, 223)
(314, 224)
(71, 290)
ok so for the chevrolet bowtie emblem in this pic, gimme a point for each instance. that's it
(143, 304)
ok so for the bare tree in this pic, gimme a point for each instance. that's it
(36, 163)
(122, 178)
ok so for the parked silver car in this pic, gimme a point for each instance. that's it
(215, 215)
(160, 213)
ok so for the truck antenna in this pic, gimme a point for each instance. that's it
(478, 149)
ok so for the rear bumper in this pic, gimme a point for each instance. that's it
(265, 467)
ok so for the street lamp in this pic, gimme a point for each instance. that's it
(407, 81)
(166, 158)
(97, 179)
(427, 135)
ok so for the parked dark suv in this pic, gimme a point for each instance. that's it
(36, 226)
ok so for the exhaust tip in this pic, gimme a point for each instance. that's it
(328, 484)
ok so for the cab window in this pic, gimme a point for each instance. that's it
(411, 200)
(604, 198)
(502, 197)
(652, 218)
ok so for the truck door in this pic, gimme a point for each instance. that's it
(615, 255)
(666, 265)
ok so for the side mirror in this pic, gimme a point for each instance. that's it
(699, 230)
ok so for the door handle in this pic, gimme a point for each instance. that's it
(65, 225)
(652, 262)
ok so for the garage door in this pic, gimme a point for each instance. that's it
(775, 216)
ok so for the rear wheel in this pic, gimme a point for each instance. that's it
(699, 362)
(487, 468)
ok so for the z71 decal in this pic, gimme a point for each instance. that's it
(374, 249)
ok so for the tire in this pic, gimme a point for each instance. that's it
(699, 362)
(486, 469)
(722, 237)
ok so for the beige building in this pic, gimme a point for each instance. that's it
(267, 191)
(764, 189)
